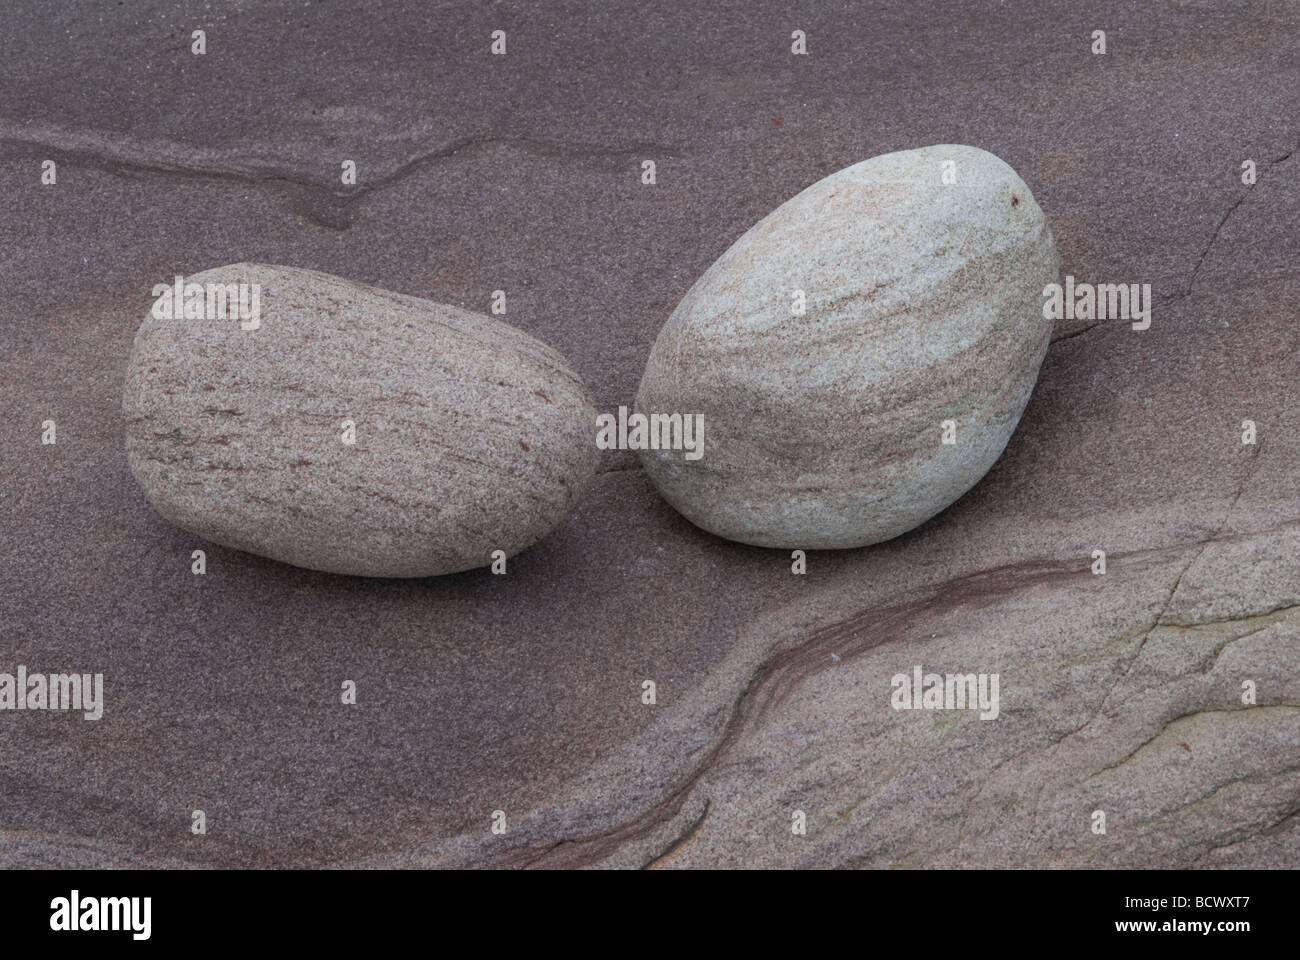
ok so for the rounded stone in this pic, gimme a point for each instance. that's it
(921, 277)
(354, 430)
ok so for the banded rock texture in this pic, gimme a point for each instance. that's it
(923, 305)
(470, 435)
(1119, 692)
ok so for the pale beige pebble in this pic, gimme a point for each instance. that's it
(924, 304)
(471, 436)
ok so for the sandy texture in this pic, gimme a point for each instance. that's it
(919, 314)
(352, 430)
(522, 693)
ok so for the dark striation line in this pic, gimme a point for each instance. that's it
(682, 840)
(776, 677)
(125, 158)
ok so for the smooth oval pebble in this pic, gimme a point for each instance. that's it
(470, 435)
(923, 304)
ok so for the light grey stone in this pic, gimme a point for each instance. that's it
(923, 304)
(470, 435)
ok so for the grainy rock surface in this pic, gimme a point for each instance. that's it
(353, 430)
(826, 349)
(523, 692)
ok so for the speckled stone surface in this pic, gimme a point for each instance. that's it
(523, 693)
(831, 347)
(352, 430)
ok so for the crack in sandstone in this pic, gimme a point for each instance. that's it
(628, 469)
(1275, 827)
(1217, 654)
(1247, 778)
(967, 806)
(1173, 592)
(1282, 704)
(1191, 281)
(1281, 608)
(1077, 333)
